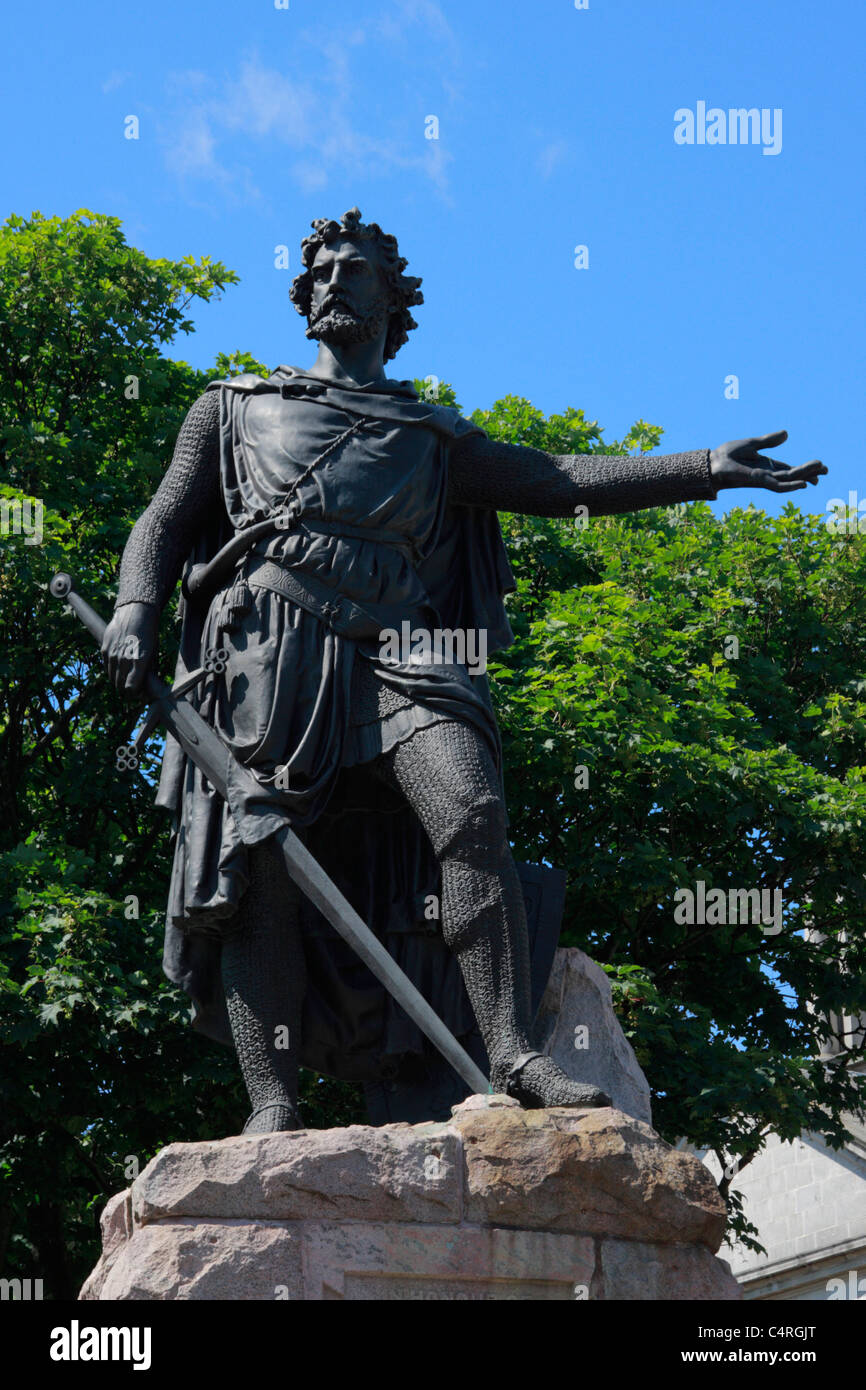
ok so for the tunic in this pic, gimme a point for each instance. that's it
(298, 701)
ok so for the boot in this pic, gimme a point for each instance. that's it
(499, 993)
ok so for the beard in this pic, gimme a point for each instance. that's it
(339, 325)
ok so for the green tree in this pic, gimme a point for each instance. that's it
(96, 1048)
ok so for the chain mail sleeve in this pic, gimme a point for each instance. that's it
(513, 478)
(164, 534)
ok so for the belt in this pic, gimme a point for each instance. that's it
(347, 618)
(202, 580)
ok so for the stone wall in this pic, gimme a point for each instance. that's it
(808, 1203)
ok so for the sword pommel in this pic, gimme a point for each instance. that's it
(60, 586)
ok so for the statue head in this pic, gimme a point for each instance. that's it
(352, 285)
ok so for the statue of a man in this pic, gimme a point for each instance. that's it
(379, 510)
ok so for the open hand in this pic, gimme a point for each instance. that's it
(739, 464)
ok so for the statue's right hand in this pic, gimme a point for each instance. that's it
(129, 646)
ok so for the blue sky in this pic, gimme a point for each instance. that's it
(556, 129)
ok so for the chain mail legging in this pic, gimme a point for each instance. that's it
(448, 777)
(264, 978)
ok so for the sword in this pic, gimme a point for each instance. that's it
(204, 746)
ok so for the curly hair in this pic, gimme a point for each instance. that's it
(405, 288)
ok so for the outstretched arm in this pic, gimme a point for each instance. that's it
(510, 477)
(159, 542)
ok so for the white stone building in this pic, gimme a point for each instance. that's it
(808, 1203)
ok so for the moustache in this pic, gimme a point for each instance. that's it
(333, 303)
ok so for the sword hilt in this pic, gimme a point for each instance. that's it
(62, 587)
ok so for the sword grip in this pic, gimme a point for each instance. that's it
(61, 587)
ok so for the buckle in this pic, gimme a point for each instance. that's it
(516, 1068)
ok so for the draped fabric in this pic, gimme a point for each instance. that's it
(374, 525)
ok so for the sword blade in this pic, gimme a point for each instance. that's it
(207, 750)
(312, 879)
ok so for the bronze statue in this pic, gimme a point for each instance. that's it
(312, 513)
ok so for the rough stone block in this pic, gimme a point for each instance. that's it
(393, 1173)
(500, 1203)
(598, 1172)
(578, 995)
(205, 1260)
(637, 1271)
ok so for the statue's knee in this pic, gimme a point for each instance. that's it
(476, 831)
